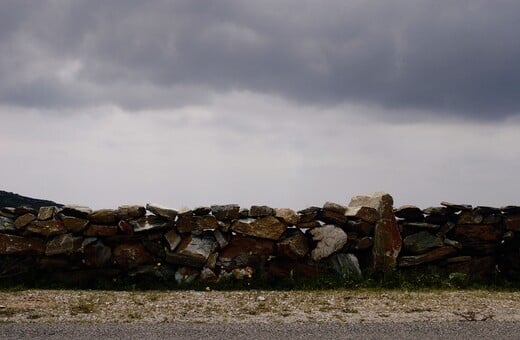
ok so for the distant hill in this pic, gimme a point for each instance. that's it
(10, 199)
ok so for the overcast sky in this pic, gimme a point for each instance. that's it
(285, 103)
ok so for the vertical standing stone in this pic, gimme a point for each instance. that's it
(387, 239)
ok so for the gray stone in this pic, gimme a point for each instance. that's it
(243, 213)
(63, 244)
(268, 227)
(160, 211)
(193, 251)
(6, 225)
(334, 207)
(510, 209)
(46, 213)
(346, 266)
(8, 212)
(329, 240)
(331, 217)
(208, 275)
(201, 211)
(76, 211)
(129, 212)
(225, 213)
(453, 243)
(23, 220)
(367, 214)
(74, 224)
(422, 226)
(173, 239)
(261, 211)
(288, 216)
(421, 242)
(409, 213)
(221, 240)
(309, 210)
(151, 222)
(456, 207)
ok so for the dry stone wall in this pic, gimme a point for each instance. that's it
(209, 244)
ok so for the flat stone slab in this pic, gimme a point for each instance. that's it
(268, 227)
(11, 244)
(160, 211)
(434, 255)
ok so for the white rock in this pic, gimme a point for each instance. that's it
(330, 239)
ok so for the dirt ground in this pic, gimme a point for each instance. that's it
(257, 306)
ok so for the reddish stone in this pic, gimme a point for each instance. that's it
(188, 224)
(10, 244)
(131, 255)
(387, 239)
(434, 255)
(488, 233)
(469, 217)
(125, 227)
(245, 251)
(100, 230)
(97, 255)
(104, 216)
(74, 224)
(47, 228)
(63, 244)
(334, 207)
(127, 212)
(513, 222)
(367, 214)
(295, 246)
(309, 225)
(293, 270)
(268, 227)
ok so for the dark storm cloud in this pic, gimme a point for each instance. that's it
(456, 57)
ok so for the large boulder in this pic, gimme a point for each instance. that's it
(63, 244)
(329, 240)
(387, 239)
(131, 255)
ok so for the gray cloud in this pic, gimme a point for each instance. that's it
(457, 58)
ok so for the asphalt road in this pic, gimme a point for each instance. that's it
(424, 330)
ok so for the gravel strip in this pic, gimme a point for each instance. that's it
(332, 306)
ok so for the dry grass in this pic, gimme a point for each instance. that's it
(257, 306)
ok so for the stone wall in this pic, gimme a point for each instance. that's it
(209, 244)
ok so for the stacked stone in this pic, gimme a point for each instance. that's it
(456, 237)
(205, 243)
(224, 241)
